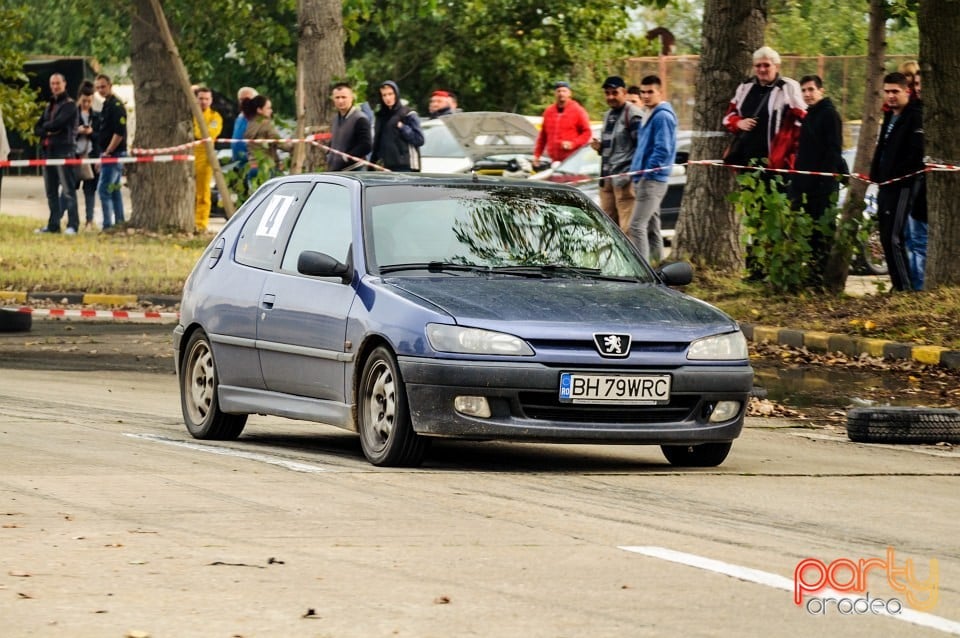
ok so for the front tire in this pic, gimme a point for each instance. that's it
(702, 455)
(199, 383)
(386, 432)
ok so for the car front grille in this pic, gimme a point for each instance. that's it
(547, 407)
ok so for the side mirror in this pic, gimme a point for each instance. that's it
(676, 274)
(315, 264)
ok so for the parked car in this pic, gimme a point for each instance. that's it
(582, 169)
(489, 142)
(406, 307)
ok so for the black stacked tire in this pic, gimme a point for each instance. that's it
(15, 321)
(903, 425)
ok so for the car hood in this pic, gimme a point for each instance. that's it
(564, 307)
(486, 133)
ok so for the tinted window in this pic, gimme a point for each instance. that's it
(323, 226)
(264, 231)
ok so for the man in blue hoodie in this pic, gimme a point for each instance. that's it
(655, 154)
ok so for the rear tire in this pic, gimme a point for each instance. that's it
(702, 455)
(903, 425)
(386, 432)
(199, 386)
(870, 260)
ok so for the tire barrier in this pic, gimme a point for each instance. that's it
(903, 425)
(12, 320)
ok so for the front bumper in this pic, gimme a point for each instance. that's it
(524, 404)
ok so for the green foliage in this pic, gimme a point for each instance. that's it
(777, 238)
(495, 55)
(833, 27)
(19, 105)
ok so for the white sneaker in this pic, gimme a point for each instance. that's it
(69, 231)
(41, 230)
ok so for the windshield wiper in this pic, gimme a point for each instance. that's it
(547, 270)
(434, 266)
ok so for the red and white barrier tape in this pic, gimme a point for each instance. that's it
(85, 313)
(228, 140)
(76, 161)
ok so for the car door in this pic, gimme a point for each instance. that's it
(303, 320)
(231, 292)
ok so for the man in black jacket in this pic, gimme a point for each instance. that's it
(899, 153)
(819, 149)
(350, 132)
(398, 136)
(57, 130)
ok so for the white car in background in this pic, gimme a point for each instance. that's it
(490, 142)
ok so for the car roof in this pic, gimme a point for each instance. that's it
(384, 178)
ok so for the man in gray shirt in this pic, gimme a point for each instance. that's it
(617, 144)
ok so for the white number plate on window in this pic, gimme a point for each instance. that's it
(608, 388)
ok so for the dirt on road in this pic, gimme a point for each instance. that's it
(53, 344)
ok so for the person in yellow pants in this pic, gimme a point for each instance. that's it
(204, 171)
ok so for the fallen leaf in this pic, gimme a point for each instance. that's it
(441, 600)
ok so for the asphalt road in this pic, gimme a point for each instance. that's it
(113, 521)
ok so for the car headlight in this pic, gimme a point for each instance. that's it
(446, 338)
(725, 347)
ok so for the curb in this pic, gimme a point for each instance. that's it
(852, 346)
(89, 298)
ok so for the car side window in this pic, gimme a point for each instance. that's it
(264, 231)
(323, 226)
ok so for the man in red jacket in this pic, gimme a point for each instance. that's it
(566, 127)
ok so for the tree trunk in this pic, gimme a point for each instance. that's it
(320, 52)
(940, 89)
(838, 266)
(708, 230)
(162, 193)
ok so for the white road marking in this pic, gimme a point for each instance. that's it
(779, 582)
(226, 451)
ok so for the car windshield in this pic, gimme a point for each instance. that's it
(492, 228)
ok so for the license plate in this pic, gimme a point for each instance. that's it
(609, 388)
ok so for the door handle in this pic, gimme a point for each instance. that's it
(268, 301)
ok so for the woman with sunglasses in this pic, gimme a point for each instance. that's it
(765, 113)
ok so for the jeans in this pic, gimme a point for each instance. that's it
(645, 224)
(111, 199)
(60, 184)
(916, 251)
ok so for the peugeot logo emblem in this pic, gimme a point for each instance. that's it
(612, 346)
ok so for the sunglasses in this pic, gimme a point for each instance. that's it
(762, 65)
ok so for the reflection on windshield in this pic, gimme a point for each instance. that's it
(494, 226)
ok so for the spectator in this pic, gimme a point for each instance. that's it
(350, 131)
(258, 111)
(202, 169)
(111, 143)
(911, 69)
(765, 113)
(89, 124)
(4, 144)
(238, 148)
(398, 137)
(441, 103)
(899, 152)
(655, 155)
(617, 144)
(565, 128)
(633, 96)
(820, 149)
(57, 130)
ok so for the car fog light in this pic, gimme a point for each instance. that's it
(472, 406)
(724, 411)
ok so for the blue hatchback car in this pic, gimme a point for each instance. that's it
(406, 307)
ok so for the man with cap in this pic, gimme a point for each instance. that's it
(565, 128)
(441, 103)
(617, 144)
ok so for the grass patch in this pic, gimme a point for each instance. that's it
(138, 263)
(118, 262)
